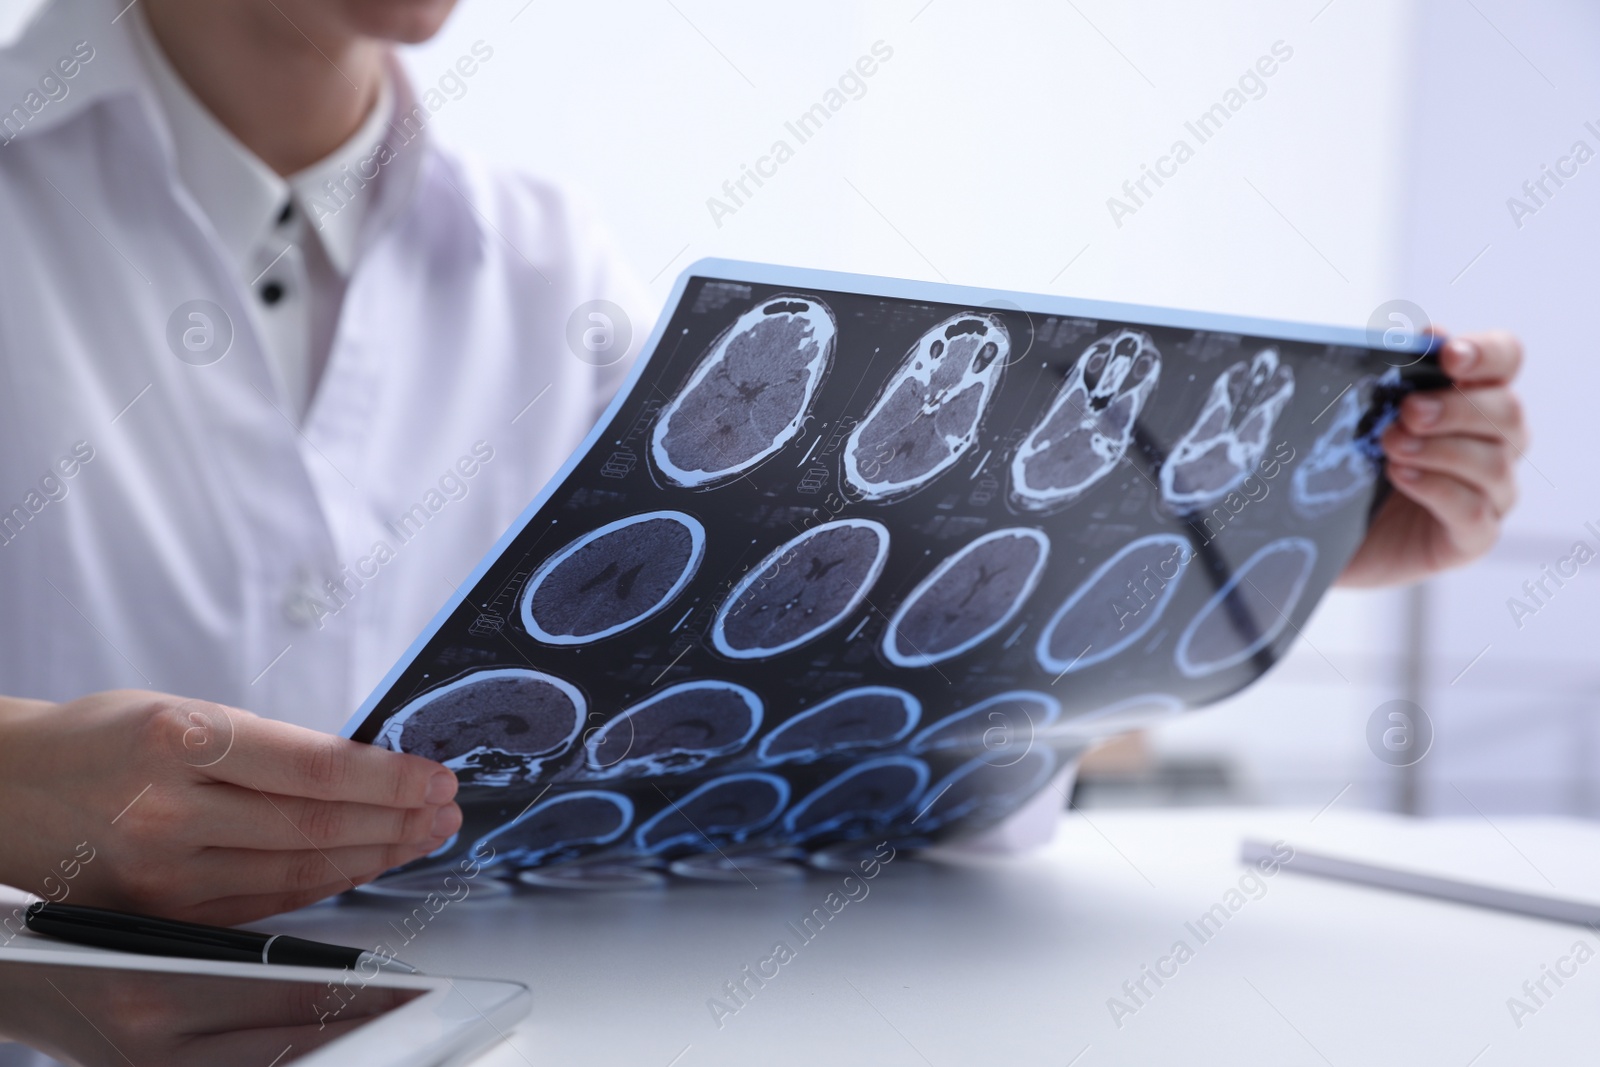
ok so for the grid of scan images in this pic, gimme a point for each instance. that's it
(849, 568)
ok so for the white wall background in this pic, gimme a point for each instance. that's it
(983, 152)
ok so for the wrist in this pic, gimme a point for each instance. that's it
(19, 765)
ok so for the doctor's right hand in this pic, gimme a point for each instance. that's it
(157, 804)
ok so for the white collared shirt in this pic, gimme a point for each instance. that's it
(167, 520)
(292, 240)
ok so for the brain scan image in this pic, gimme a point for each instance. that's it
(866, 796)
(927, 417)
(559, 828)
(1249, 612)
(613, 578)
(724, 809)
(869, 717)
(748, 397)
(967, 599)
(1115, 606)
(801, 589)
(1089, 425)
(1001, 728)
(1231, 435)
(983, 790)
(681, 728)
(1346, 458)
(492, 727)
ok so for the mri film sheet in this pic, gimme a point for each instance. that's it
(853, 559)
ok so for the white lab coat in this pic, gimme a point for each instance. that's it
(163, 522)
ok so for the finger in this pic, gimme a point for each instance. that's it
(278, 758)
(1492, 356)
(1485, 465)
(1463, 511)
(284, 871)
(1492, 413)
(244, 818)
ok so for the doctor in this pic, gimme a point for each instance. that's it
(275, 370)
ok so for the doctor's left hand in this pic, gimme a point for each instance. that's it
(1452, 458)
(153, 803)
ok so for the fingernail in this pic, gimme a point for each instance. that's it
(1408, 444)
(1425, 410)
(441, 787)
(446, 822)
(1405, 474)
(1465, 354)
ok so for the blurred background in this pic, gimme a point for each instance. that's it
(1384, 159)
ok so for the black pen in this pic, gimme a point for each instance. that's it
(124, 932)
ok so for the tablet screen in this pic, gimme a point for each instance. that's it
(93, 1016)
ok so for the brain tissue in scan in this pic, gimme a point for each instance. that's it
(748, 397)
(999, 728)
(967, 599)
(1231, 434)
(560, 828)
(1090, 423)
(679, 729)
(1346, 458)
(985, 789)
(492, 727)
(858, 800)
(727, 809)
(1249, 612)
(927, 417)
(868, 717)
(802, 589)
(612, 578)
(1116, 605)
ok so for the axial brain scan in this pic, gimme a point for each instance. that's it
(1250, 611)
(802, 589)
(869, 717)
(967, 598)
(613, 578)
(928, 415)
(676, 730)
(749, 396)
(1232, 433)
(495, 725)
(1089, 425)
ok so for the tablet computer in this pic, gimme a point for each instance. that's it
(106, 1009)
(855, 559)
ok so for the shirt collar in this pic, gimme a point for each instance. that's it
(332, 193)
(107, 48)
(240, 194)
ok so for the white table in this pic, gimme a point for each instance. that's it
(1013, 961)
